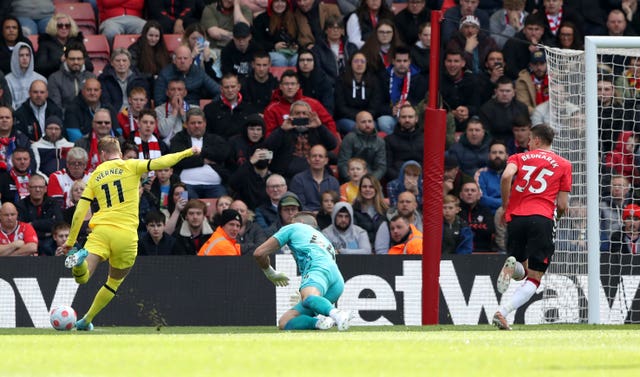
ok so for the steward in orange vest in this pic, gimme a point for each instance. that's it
(405, 237)
(223, 240)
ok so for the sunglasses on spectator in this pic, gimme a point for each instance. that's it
(63, 26)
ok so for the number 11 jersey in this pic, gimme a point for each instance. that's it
(541, 175)
(115, 185)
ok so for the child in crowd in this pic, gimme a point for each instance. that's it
(161, 186)
(356, 168)
(155, 241)
(129, 117)
(129, 150)
(457, 237)
(327, 200)
(410, 179)
(59, 235)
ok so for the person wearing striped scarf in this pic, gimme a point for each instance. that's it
(146, 138)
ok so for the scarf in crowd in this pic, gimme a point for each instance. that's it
(386, 59)
(338, 52)
(21, 182)
(542, 88)
(94, 155)
(554, 21)
(147, 149)
(374, 18)
(7, 145)
(403, 94)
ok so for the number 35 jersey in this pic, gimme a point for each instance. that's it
(541, 175)
(115, 184)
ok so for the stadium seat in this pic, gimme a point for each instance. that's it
(82, 14)
(446, 4)
(124, 40)
(172, 41)
(398, 7)
(204, 102)
(277, 71)
(211, 206)
(34, 41)
(98, 51)
(98, 66)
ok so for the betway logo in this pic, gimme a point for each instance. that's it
(31, 295)
(465, 308)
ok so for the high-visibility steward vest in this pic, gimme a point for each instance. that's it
(219, 244)
(412, 246)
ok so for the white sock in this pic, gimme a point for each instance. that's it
(522, 294)
(332, 313)
(519, 273)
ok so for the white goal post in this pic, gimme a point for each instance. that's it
(588, 135)
(593, 46)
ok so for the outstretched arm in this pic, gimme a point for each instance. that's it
(168, 160)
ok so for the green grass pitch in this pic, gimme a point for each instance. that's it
(554, 350)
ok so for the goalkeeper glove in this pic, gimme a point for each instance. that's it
(279, 279)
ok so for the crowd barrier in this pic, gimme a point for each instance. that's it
(232, 291)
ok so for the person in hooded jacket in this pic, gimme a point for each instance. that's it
(346, 237)
(22, 74)
(409, 179)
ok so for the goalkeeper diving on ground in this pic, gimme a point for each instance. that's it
(322, 283)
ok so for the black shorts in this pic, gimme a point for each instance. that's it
(531, 238)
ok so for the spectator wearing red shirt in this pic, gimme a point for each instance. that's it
(289, 92)
(16, 238)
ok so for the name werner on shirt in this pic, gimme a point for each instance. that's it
(106, 173)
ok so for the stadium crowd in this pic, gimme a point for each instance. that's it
(302, 105)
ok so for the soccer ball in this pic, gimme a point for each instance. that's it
(63, 318)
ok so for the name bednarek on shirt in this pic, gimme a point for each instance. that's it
(545, 157)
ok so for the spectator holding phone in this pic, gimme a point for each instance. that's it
(276, 31)
(291, 142)
(249, 182)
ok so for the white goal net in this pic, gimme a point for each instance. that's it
(594, 102)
